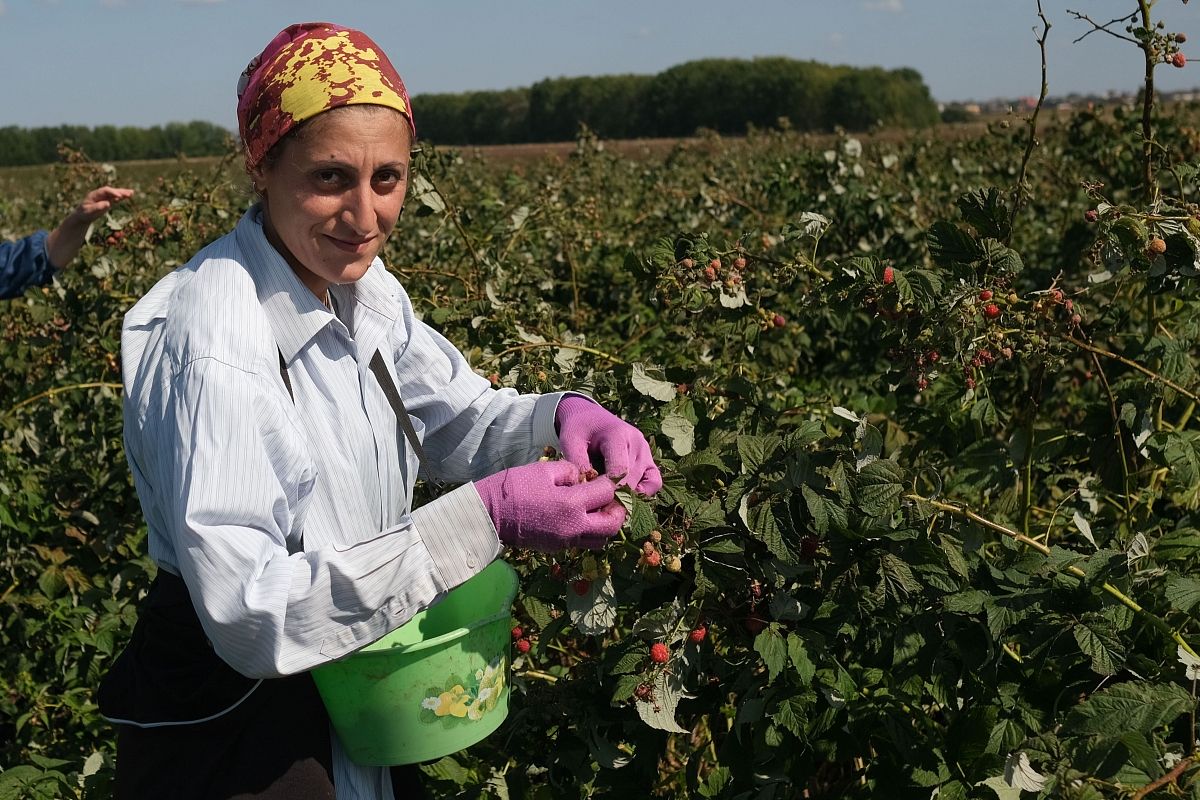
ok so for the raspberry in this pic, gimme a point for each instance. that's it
(809, 545)
(1091, 215)
(985, 294)
(698, 633)
(517, 633)
(644, 692)
(656, 535)
(778, 321)
(991, 311)
(739, 263)
(1157, 246)
(581, 587)
(1179, 60)
(523, 646)
(710, 273)
(1181, 37)
(1069, 304)
(648, 547)
(889, 275)
(715, 263)
(687, 263)
(674, 564)
(922, 384)
(1056, 295)
(556, 571)
(652, 559)
(659, 653)
(934, 356)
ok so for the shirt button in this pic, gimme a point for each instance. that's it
(473, 562)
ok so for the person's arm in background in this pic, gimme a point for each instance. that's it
(32, 261)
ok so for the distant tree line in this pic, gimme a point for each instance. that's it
(725, 95)
(19, 146)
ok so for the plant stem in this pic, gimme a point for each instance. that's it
(1149, 373)
(1032, 141)
(1120, 596)
(60, 389)
(1147, 104)
(535, 345)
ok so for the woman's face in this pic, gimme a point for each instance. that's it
(335, 191)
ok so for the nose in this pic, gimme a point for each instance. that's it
(358, 213)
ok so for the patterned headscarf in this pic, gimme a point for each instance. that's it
(309, 68)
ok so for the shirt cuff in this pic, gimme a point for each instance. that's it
(458, 533)
(545, 412)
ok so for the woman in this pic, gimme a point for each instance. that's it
(270, 454)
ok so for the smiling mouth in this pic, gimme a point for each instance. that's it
(350, 246)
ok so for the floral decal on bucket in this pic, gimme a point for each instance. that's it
(459, 700)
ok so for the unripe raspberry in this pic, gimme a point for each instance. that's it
(652, 559)
(710, 273)
(778, 321)
(922, 384)
(581, 587)
(647, 547)
(1091, 215)
(687, 263)
(1157, 246)
(1181, 37)
(739, 263)
(985, 294)
(991, 311)
(698, 633)
(674, 564)
(656, 535)
(523, 646)
(1076, 319)
(659, 653)
(715, 263)
(889, 275)
(517, 633)
(1179, 60)
(644, 692)
(1056, 295)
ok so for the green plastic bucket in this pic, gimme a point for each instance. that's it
(434, 685)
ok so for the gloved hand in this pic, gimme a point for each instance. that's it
(591, 437)
(545, 506)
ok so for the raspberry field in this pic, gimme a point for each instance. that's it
(926, 410)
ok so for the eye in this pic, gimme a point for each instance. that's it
(327, 177)
(388, 179)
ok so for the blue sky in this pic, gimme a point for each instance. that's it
(145, 62)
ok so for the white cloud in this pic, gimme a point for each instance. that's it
(890, 6)
(837, 39)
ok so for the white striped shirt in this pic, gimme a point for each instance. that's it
(235, 477)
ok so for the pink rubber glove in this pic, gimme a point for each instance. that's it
(592, 438)
(544, 506)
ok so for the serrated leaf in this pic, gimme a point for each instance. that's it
(650, 385)
(681, 431)
(1183, 593)
(1131, 706)
(1099, 643)
(659, 712)
(594, 612)
(797, 653)
(754, 451)
(770, 645)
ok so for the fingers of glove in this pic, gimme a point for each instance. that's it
(594, 494)
(651, 481)
(606, 521)
(546, 474)
(592, 541)
(613, 445)
(574, 449)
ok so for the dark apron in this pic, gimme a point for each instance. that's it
(191, 726)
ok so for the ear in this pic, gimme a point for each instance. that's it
(258, 179)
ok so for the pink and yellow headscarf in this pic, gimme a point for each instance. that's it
(309, 68)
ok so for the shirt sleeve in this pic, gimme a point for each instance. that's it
(237, 484)
(24, 263)
(471, 429)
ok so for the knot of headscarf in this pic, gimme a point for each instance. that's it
(309, 68)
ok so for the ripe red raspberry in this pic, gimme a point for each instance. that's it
(1179, 60)
(715, 263)
(809, 545)
(778, 321)
(1069, 304)
(710, 273)
(922, 384)
(739, 263)
(1056, 295)
(652, 559)
(659, 653)
(934, 356)
(991, 311)
(889, 275)
(985, 294)
(698, 633)
(970, 383)
(517, 633)
(523, 646)
(1091, 215)
(581, 586)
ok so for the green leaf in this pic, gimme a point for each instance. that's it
(985, 211)
(1131, 706)
(791, 715)
(949, 245)
(660, 711)
(1100, 643)
(1182, 593)
(798, 655)
(681, 431)
(649, 382)
(447, 769)
(754, 451)
(714, 782)
(770, 645)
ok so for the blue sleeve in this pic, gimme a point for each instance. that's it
(24, 263)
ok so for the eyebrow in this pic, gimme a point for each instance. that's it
(328, 163)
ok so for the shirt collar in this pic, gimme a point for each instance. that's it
(293, 312)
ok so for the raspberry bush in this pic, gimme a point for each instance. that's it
(926, 413)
